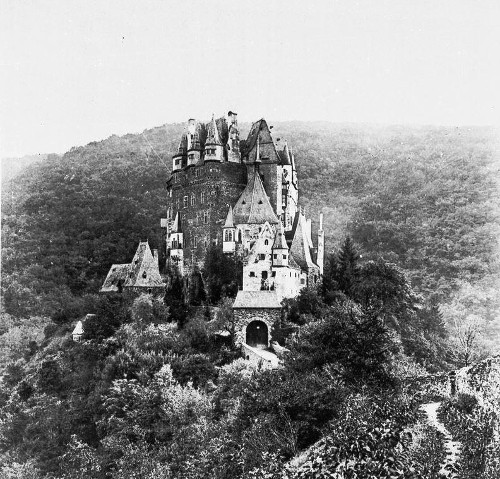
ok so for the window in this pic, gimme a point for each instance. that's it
(202, 197)
(262, 257)
(275, 256)
(273, 274)
(205, 241)
(144, 275)
(205, 217)
(177, 161)
(302, 281)
(185, 202)
(195, 241)
(264, 274)
(191, 157)
(266, 242)
(252, 274)
(284, 256)
(196, 173)
(228, 235)
(192, 199)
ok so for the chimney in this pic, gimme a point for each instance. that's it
(233, 117)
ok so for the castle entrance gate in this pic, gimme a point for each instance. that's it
(257, 334)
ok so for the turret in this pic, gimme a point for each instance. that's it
(194, 151)
(233, 142)
(280, 253)
(229, 233)
(320, 258)
(176, 242)
(179, 158)
(213, 145)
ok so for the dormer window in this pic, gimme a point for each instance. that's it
(144, 274)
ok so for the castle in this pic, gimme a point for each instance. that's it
(242, 196)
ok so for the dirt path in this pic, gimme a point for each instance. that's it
(452, 447)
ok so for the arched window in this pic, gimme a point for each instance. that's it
(202, 197)
(266, 242)
(192, 199)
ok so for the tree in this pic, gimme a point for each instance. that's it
(222, 274)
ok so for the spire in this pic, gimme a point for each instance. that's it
(213, 133)
(177, 227)
(279, 239)
(229, 219)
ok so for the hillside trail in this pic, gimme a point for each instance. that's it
(452, 447)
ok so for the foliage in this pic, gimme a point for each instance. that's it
(476, 427)
(222, 275)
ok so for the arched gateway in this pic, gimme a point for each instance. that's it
(257, 334)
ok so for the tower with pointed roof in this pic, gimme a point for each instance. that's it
(230, 194)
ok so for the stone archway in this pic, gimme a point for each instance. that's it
(257, 334)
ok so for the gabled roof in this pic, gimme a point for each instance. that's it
(229, 218)
(116, 277)
(257, 300)
(144, 271)
(177, 225)
(253, 205)
(259, 132)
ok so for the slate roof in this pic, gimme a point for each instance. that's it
(144, 270)
(253, 205)
(257, 300)
(229, 219)
(117, 273)
(213, 137)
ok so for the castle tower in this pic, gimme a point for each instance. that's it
(176, 242)
(233, 142)
(229, 233)
(214, 151)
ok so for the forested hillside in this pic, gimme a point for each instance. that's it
(154, 391)
(425, 198)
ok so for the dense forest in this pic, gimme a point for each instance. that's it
(410, 287)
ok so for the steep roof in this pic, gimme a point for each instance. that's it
(279, 239)
(213, 137)
(300, 247)
(78, 328)
(257, 300)
(229, 218)
(177, 225)
(253, 205)
(261, 133)
(144, 271)
(118, 274)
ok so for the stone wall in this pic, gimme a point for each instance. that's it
(210, 189)
(243, 317)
